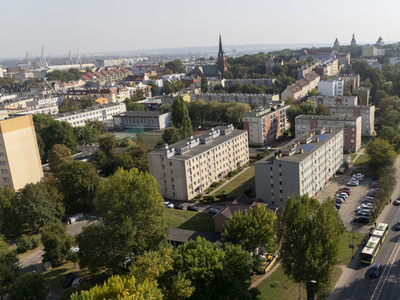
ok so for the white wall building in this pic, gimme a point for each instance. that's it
(334, 100)
(102, 112)
(330, 87)
(366, 112)
(1, 71)
(143, 119)
(302, 166)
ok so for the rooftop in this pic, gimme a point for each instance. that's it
(336, 118)
(129, 114)
(89, 109)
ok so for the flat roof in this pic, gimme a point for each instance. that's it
(333, 118)
(352, 106)
(141, 113)
(89, 109)
(182, 235)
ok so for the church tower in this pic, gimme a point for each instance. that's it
(336, 43)
(353, 40)
(221, 58)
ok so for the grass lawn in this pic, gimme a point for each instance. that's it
(151, 139)
(344, 256)
(55, 277)
(189, 220)
(353, 156)
(238, 185)
(362, 159)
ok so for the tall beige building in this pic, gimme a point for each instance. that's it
(186, 168)
(19, 153)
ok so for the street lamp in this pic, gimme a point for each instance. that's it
(312, 281)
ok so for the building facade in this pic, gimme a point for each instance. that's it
(365, 94)
(301, 87)
(250, 99)
(351, 127)
(367, 114)
(334, 100)
(265, 123)
(143, 119)
(330, 87)
(100, 113)
(186, 168)
(267, 82)
(302, 166)
(19, 153)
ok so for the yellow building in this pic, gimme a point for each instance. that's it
(19, 153)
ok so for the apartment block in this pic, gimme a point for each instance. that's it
(367, 114)
(351, 127)
(143, 119)
(101, 113)
(327, 68)
(331, 87)
(302, 166)
(365, 94)
(250, 99)
(301, 87)
(19, 153)
(188, 167)
(333, 100)
(265, 124)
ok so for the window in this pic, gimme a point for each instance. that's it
(2, 163)
(1, 154)
(170, 163)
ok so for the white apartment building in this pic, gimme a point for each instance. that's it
(334, 100)
(101, 113)
(302, 166)
(143, 119)
(330, 87)
(250, 99)
(188, 167)
(366, 112)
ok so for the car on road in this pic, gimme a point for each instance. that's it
(168, 204)
(396, 202)
(361, 219)
(193, 208)
(179, 206)
(213, 210)
(69, 279)
(397, 226)
(375, 270)
(76, 282)
(353, 183)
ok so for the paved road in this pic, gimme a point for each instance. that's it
(355, 282)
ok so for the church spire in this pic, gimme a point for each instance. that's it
(221, 58)
(221, 49)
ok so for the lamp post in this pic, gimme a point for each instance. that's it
(312, 281)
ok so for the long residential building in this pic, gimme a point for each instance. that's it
(101, 113)
(250, 99)
(333, 100)
(19, 153)
(143, 119)
(366, 112)
(266, 123)
(301, 87)
(186, 168)
(302, 166)
(351, 127)
(267, 82)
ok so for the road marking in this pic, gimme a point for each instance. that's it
(386, 271)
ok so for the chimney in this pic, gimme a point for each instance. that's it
(301, 150)
(317, 140)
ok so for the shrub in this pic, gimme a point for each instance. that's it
(26, 243)
(208, 198)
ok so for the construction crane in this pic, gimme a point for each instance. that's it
(78, 59)
(31, 61)
(49, 59)
(43, 61)
(69, 59)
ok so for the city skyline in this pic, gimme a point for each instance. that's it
(101, 27)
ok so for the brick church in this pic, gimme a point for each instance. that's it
(214, 71)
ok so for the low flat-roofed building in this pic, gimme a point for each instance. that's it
(186, 168)
(302, 166)
(101, 113)
(143, 119)
(350, 125)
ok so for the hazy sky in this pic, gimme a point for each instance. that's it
(120, 25)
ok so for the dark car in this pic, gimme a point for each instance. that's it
(69, 279)
(345, 189)
(397, 226)
(361, 219)
(193, 208)
(337, 205)
(213, 210)
(375, 270)
(180, 206)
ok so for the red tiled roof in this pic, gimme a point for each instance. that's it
(86, 77)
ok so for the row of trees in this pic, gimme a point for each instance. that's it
(64, 76)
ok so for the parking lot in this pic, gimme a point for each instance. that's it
(348, 208)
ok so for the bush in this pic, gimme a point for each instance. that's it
(208, 199)
(26, 243)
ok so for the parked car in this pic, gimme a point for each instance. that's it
(213, 210)
(344, 194)
(353, 183)
(345, 191)
(69, 279)
(193, 208)
(366, 206)
(369, 198)
(361, 219)
(354, 177)
(360, 175)
(179, 206)
(375, 184)
(396, 202)
(168, 204)
(77, 281)
(375, 270)
(337, 205)
(339, 200)
(397, 226)
(364, 212)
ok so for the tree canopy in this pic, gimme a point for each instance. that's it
(9, 268)
(176, 66)
(30, 286)
(381, 154)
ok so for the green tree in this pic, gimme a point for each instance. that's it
(60, 133)
(57, 243)
(88, 102)
(155, 90)
(215, 272)
(107, 143)
(77, 182)
(30, 286)
(165, 107)
(254, 229)
(134, 106)
(58, 155)
(171, 135)
(180, 117)
(87, 134)
(132, 212)
(234, 113)
(67, 106)
(204, 84)
(379, 95)
(322, 110)
(8, 201)
(176, 66)
(381, 154)
(168, 89)
(310, 59)
(309, 235)
(9, 268)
